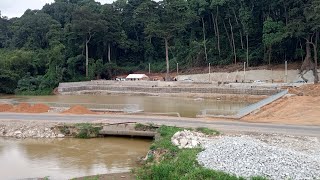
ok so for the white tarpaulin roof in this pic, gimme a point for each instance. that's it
(136, 76)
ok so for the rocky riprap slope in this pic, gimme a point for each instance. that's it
(272, 156)
(29, 130)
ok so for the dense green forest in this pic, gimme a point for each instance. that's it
(73, 40)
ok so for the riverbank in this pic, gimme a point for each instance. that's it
(167, 160)
(29, 129)
(181, 154)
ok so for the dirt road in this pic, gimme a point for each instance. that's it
(221, 125)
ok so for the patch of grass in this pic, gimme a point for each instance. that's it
(87, 130)
(143, 127)
(178, 164)
(64, 129)
(259, 178)
(207, 131)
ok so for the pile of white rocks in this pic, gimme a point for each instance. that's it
(188, 139)
(29, 130)
(274, 157)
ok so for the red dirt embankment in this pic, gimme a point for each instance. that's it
(303, 109)
(24, 108)
(78, 110)
(5, 107)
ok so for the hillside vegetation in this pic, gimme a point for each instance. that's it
(73, 40)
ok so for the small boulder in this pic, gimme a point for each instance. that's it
(60, 136)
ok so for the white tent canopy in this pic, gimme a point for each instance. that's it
(136, 76)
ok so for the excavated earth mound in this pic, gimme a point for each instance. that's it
(38, 108)
(78, 110)
(22, 107)
(5, 107)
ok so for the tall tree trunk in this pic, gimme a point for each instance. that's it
(315, 54)
(301, 52)
(270, 53)
(233, 43)
(109, 60)
(167, 58)
(247, 38)
(204, 40)
(87, 58)
(87, 54)
(307, 63)
(218, 35)
(214, 24)
(241, 40)
(235, 17)
(228, 36)
(109, 53)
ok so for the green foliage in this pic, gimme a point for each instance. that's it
(273, 32)
(126, 36)
(207, 131)
(87, 130)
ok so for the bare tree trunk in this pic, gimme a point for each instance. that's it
(301, 51)
(214, 24)
(233, 43)
(247, 38)
(218, 35)
(235, 17)
(315, 54)
(307, 64)
(204, 40)
(270, 53)
(87, 54)
(228, 36)
(241, 40)
(87, 59)
(109, 53)
(167, 58)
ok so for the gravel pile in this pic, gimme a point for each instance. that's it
(271, 157)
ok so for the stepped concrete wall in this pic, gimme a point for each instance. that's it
(252, 75)
(154, 87)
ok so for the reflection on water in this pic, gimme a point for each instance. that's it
(67, 158)
(187, 107)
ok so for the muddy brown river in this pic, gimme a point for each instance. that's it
(68, 158)
(186, 107)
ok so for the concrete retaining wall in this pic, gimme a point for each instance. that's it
(127, 89)
(265, 75)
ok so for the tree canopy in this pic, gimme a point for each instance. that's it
(73, 40)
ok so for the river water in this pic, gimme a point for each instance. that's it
(187, 107)
(68, 158)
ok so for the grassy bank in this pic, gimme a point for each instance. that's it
(169, 162)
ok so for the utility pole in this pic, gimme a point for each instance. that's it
(149, 68)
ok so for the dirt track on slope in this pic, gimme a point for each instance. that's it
(303, 108)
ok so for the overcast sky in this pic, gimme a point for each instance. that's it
(15, 8)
